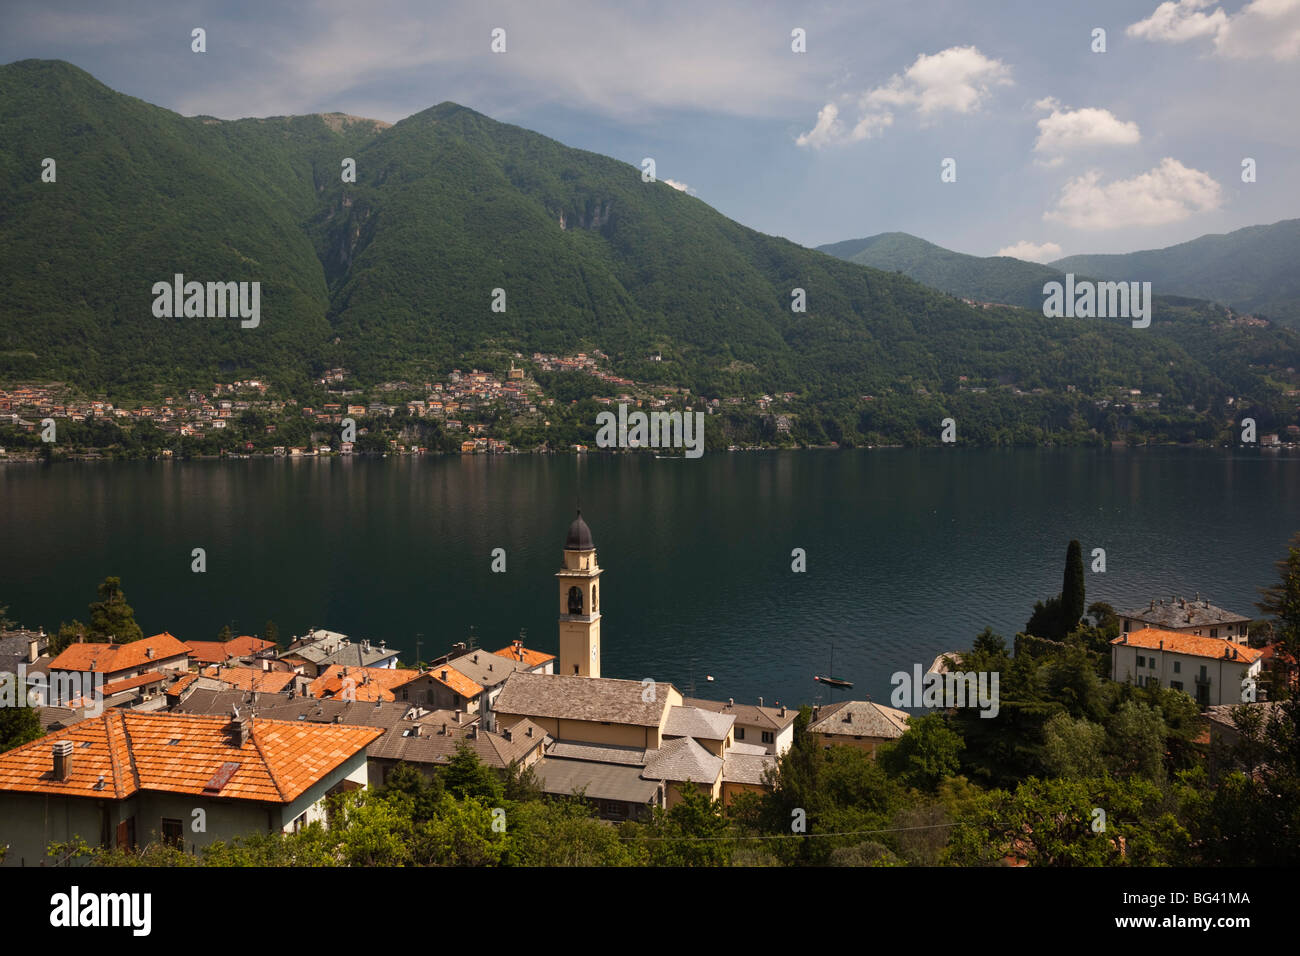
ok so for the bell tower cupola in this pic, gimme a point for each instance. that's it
(579, 581)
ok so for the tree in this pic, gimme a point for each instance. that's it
(271, 633)
(925, 754)
(111, 617)
(1281, 601)
(466, 776)
(19, 725)
(225, 634)
(1072, 587)
(1074, 749)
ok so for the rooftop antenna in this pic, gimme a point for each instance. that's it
(418, 635)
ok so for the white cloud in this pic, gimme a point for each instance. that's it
(1032, 251)
(1065, 130)
(1261, 28)
(680, 186)
(1168, 193)
(955, 80)
(1177, 21)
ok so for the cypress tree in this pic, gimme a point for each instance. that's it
(1072, 591)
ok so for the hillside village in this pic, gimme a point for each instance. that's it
(257, 738)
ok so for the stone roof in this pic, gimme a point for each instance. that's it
(570, 697)
(680, 760)
(596, 753)
(484, 668)
(1179, 613)
(771, 718)
(598, 781)
(860, 718)
(698, 723)
(746, 768)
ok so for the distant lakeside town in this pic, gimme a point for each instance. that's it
(511, 410)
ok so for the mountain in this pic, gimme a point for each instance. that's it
(993, 279)
(396, 275)
(1252, 270)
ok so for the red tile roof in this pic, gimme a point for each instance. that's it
(140, 680)
(207, 652)
(250, 678)
(111, 658)
(365, 683)
(457, 681)
(517, 652)
(1154, 639)
(135, 751)
(218, 652)
(178, 688)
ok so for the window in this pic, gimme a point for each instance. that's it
(740, 733)
(1175, 685)
(1142, 661)
(1178, 667)
(767, 736)
(1214, 632)
(173, 833)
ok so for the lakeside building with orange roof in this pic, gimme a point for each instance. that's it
(128, 779)
(1211, 670)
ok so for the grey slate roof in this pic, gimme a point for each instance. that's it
(682, 759)
(600, 781)
(1179, 613)
(570, 697)
(597, 753)
(860, 718)
(698, 723)
(745, 768)
(485, 668)
(769, 718)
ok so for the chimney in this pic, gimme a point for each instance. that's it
(415, 730)
(475, 658)
(148, 652)
(473, 732)
(240, 727)
(444, 730)
(760, 702)
(444, 673)
(530, 731)
(63, 761)
(782, 712)
(457, 715)
(506, 733)
(731, 702)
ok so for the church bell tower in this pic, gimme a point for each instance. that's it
(579, 603)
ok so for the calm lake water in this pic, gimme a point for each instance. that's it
(909, 553)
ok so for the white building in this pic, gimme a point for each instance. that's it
(1209, 670)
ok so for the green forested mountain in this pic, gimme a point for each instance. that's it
(1252, 269)
(993, 279)
(393, 276)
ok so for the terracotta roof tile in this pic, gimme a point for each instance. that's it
(111, 658)
(1153, 639)
(457, 681)
(178, 753)
(365, 683)
(526, 656)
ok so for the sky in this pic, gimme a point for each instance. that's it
(815, 121)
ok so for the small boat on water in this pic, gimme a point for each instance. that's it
(833, 681)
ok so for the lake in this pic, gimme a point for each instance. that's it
(909, 552)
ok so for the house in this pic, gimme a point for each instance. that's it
(112, 663)
(359, 683)
(128, 779)
(1198, 617)
(318, 649)
(1211, 670)
(1226, 734)
(857, 723)
(771, 728)
(221, 652)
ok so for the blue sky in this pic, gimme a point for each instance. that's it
(1059, 150)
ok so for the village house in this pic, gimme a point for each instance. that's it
(318, 649)
(1210, 670)
(128, 779)
(1197, 617)
(116, 662)
(862, 724)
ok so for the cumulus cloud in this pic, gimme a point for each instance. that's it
(955, 80)
(1261, 28)
(682, 187)
(1064, 129)
(1168, 193)
(1032, 251)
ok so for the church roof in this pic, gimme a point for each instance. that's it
(579, 536)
